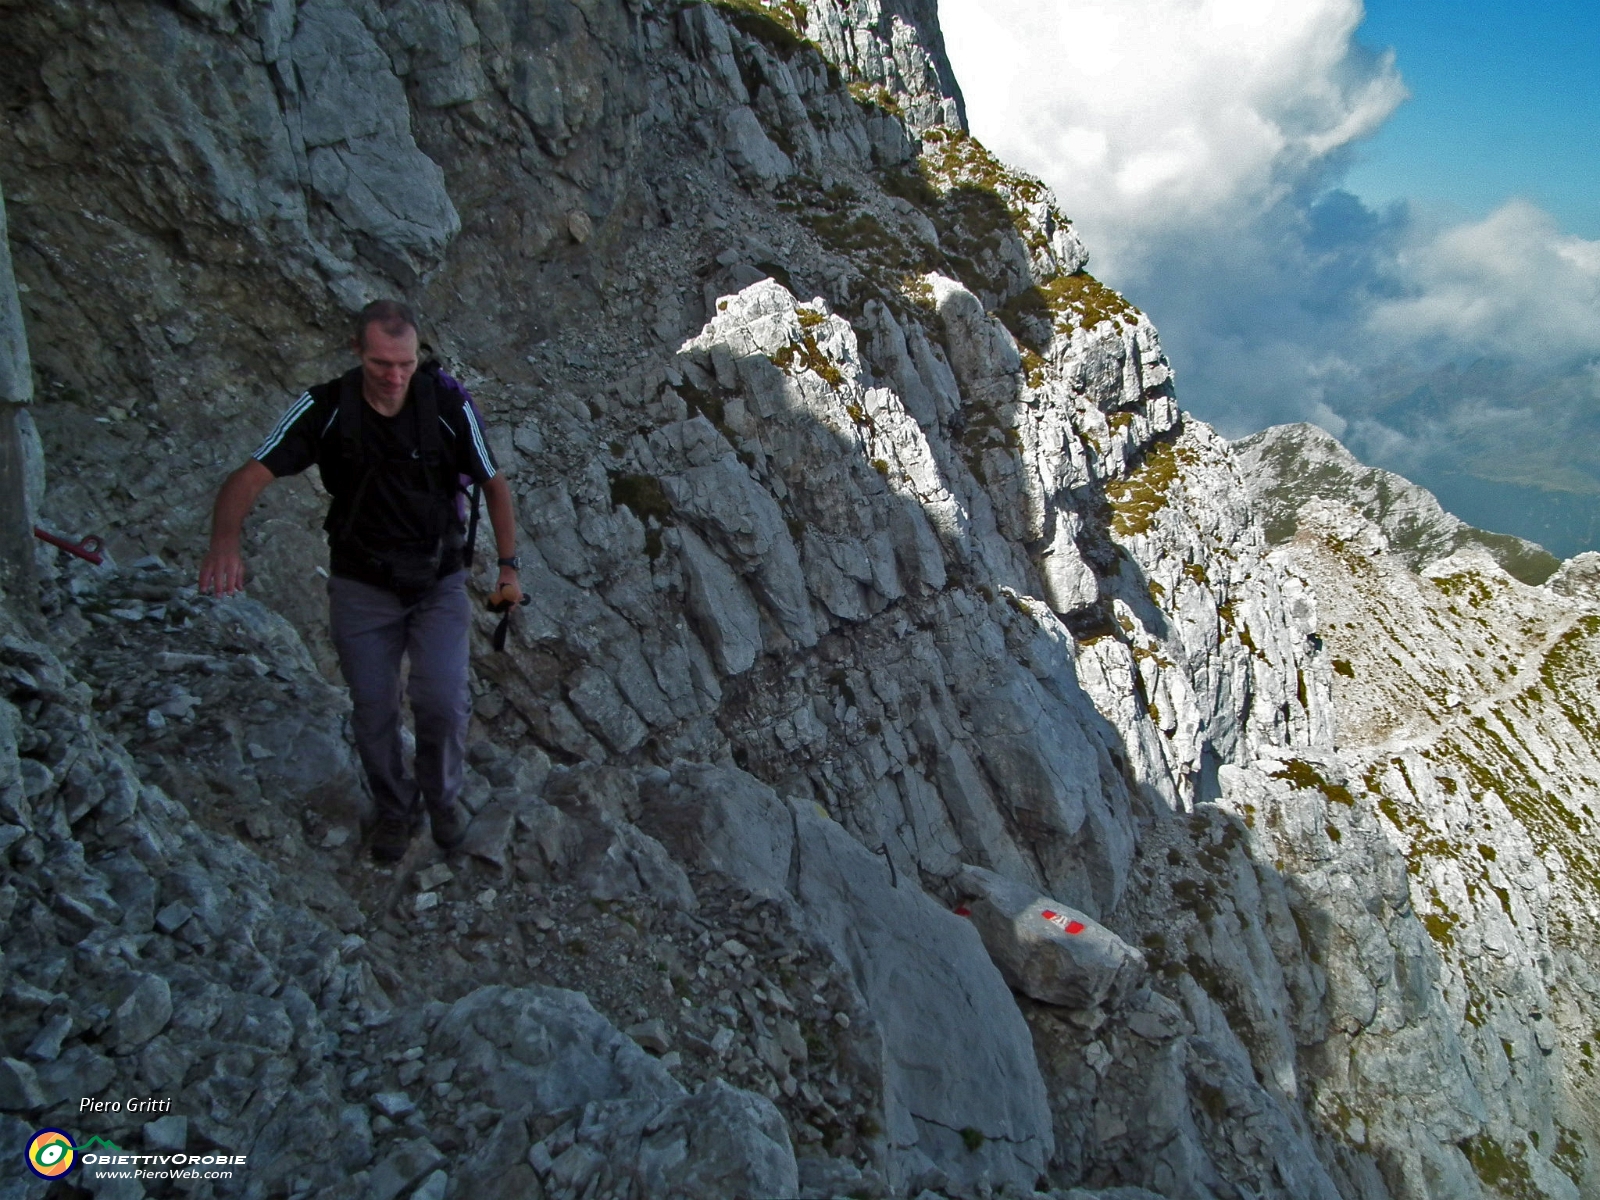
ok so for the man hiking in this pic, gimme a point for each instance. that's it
(392, 439)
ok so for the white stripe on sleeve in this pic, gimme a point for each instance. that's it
(297, 411)
(477, 442)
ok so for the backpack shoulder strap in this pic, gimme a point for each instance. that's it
(353, 446)
(350, 401)
(460, 483)
(425, 394)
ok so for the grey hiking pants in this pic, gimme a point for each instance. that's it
(372, 629)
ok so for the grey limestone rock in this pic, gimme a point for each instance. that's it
(20, 1185)
(143, 1011)
(19, 1087)
(16, 372)
(897, 46)
(46, 1045)
(1047, 949)
(956, 1052)
(589, 835)
(1579, 577)
(921, 971)
(79, 1071)
(983, 354)
(722, 607)
(407, 1162)
(839, 496)
(167, 1133)
(1288, 465)
(720, 1142)
(543, 1050)
(355, 1137)
(724, 820)
(636, 864)
(751, 151)
(489, 837)
(596, 699)
(359, 147)
(705, 36)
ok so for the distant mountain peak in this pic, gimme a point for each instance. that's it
(1288, 465)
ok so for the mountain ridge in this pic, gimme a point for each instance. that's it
(883, 596)
(1290, 464)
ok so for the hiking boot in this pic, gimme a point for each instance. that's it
(450, 830)
(391, 838)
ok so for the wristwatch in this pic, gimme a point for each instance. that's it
(514, 562)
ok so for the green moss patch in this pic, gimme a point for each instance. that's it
(1440, 928)
(643, 495)
(1137, 498)
(781, 24)
(1566, 670)
(876, 96)
(1065, 303)
(1306, 777)
(988, 218)
(805, 355)
(1505, 1172)
(1568, 1155)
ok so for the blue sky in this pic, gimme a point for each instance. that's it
(1505, 101)
(1384, 219)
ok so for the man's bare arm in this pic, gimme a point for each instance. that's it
(222, 569)
(497, 493)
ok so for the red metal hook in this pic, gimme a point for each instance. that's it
(88, 549)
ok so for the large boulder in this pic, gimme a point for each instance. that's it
(963, 1097)
(1046, 949)
(932, 1015)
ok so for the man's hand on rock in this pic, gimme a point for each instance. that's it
(222, 571)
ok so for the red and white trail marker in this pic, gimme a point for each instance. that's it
(1062, 921)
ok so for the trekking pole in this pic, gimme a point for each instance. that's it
(504, 607)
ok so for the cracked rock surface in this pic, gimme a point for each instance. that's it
(884, 598)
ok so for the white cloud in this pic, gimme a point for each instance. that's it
(1199, 144)
(1512, 284)
(1152, 116)
(1326, 417)
(1189, 140)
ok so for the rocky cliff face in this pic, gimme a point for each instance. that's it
(916, 773)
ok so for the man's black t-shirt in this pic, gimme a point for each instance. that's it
(384, 484)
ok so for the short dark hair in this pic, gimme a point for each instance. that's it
(391, 316)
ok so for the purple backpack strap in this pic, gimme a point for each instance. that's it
(468, 485)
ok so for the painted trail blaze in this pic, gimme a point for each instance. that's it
(1062, 921)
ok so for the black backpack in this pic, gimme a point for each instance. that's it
(407, 574)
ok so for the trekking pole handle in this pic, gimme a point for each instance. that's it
(503, 607)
